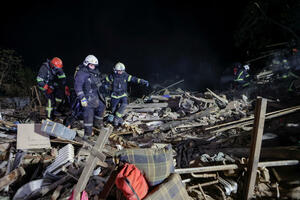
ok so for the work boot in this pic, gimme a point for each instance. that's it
(110, 118)
(98, 123)
(118, 121)
(56, 113)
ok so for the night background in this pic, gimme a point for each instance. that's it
(156, 40)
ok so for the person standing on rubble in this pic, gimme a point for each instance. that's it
(242, 77)
(87, 84)
(118, 81)
(51, 80)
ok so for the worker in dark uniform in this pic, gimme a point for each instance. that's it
(51, 80)
(87, 84)
(118, 81)
(242, 77)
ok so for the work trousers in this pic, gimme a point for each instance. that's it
(116, 110)
(92, 115)
(53, 101)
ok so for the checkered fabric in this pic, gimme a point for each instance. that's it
(156, 164)
(171, 189)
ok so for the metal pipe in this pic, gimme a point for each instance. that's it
(203, 184)
(204, 175)
(278, 163)
(206, 169)
(234, 166)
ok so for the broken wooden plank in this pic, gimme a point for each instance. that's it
(215, 168)
(11, 177)
(146, 105)
(92, 161)
(225, 101)
(169, 86)
(260, 111)
(173, 124)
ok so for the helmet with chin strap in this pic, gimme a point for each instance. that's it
(90, 59)
(119, 67)
(56, 63)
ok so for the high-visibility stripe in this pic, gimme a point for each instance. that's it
(290, 89)
(62, 76)
(88, 124)
(239, 76)
(139, 80)
(246, 84)
(294, 75)
(107, 79)
(129, 78)
(118, 97)
(80, 93)
(58, 100)
(41, 88)
(49, 108)
(118, 114)
(39, 79)
(97, 117)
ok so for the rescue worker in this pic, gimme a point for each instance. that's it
(118, 81)
(242, 77)
(51, 80)
(236, 67)
(87, 83)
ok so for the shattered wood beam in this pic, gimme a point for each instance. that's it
(292, 152)
(271, 114)
(11, 177)
(218, 97)
(37, 96)
(159, 97)
(215, 168)
(260, 111)
(92, 161)
(199, 98)
(169, 86)
(251, 121)
(173, 124)
(146, 105)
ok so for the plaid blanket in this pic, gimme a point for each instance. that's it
(156, 164)
(170, 189)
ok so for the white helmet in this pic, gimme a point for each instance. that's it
(246, 67)
(119, 67)
(90, 59)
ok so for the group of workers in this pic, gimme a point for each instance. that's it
(51, 80)
(284, 68)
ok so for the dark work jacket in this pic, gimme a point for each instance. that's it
(119, 83)
(87, 83)
(242, 77)
(52, 76)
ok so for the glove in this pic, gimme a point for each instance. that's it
(84, 102)
(67, 91)
(144, 82)
(110, 118)
(46, 87)
(49, 90)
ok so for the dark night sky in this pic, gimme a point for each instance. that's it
(175, 39)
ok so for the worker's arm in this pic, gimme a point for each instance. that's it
(80, 79)
(134, 79)
(42, 78)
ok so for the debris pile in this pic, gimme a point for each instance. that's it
(189, 145)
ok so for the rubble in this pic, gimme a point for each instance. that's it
(209, 132)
